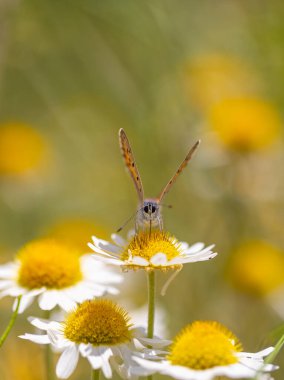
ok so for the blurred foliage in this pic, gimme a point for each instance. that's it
(73, 73)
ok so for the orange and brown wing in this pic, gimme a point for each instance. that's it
(130, 163)
(180, 169)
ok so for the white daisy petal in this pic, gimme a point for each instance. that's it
(137, 260)
(67, 362)
(108, 260)
(13, 291)
(48, 300)
(118, 240)
(66, 303)
(105, 245)
(25, 302)
(159, 259)
(44, 324)
(6, 284)
(195, 248)
(259, 354)
(9, 270)
(40, 339)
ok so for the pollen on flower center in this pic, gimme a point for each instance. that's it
(48, 263)
(146, 245)
(99, 322)
(203, 345)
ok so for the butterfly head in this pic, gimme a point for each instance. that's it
(150, 210)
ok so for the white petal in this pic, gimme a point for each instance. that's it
(6, 284)
(95, 361)
(67, 362)
(24, 303)
(159, 259)
(137, 260)
(103, 252)
(97, 271)
(40, 339)
(66, 303)
(259, 354)
(44, 324)
(108, 260)
(13, 291)
(194, 259)
(106, 368)
(183, 245)
(106, 246)
(195, 248)
(118, 240)
(48, 300)
(9, 270)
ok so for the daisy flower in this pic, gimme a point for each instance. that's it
(55, 273)
(98, 330)
(205, 350)
(158, 250)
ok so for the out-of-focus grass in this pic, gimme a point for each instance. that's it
(76, 72)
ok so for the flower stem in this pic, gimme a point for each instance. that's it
(95, 374)
(11, 322)
(151, 304)
(151, 307)
(49, 371)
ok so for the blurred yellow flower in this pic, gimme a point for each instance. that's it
(22, 149)
(245, 124)
(212, 77)
(256, 268)
(18, 362)
(77, 232)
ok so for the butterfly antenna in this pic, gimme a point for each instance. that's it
(127, 221)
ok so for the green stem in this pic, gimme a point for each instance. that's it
(151, 304)
(48, 357)
(278, 346)
(95, 374)
(270, 358)
(151, 307)
(11, 322)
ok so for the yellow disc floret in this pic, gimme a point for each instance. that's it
(22, 149)
(99, 322)
(146, 245)
(48, 263)
(257, 268)
(203, 345)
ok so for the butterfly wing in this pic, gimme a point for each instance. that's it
(180, 169)
(130, 163)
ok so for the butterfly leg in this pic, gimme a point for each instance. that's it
(160, 221)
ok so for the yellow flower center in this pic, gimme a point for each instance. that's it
(203, 345)
(245, 124)
(99, 322)
(257, 268)
(48, 263)
(147, 245)
(22, 149)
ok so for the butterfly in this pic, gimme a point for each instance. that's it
(148, 214)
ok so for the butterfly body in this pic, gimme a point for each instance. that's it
(148, 214)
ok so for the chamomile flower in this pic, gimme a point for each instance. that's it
(158, 250)
(100, 331)
(55, 273)
(205, 350)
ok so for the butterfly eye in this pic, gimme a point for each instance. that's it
(153, 208)
(146, 209)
